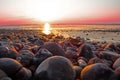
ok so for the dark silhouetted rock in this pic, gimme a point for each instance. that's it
(55, 68)
(117, 72)
(82, 63)
(54, 48)
(116, 63)
(97, 71)
(108, 55)
(78, 71)
(25, 57)
(3, 52)
(14, 69)
(41, 55)
(95, 60)
(86, 51)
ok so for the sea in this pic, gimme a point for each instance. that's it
(64, 27)
(101, 33)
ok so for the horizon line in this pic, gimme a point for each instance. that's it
(51, 24)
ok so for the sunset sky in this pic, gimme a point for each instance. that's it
(60, 11)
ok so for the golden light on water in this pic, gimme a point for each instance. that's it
(47, 28)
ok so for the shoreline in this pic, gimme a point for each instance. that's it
(110, 36)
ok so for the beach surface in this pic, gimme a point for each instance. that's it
(100, 33)
(109, 36)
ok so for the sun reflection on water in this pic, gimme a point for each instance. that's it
(47, 29)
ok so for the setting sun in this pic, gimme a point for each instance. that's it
(47, 28)
(44, 11)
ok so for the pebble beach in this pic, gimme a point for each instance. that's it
(60, 55)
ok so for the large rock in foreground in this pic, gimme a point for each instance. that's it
(55, 68)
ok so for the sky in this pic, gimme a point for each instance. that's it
(60, 11)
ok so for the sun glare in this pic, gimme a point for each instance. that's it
(47, 28)
(44, 11)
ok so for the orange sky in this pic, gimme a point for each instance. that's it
(103, 20)
(59, 12)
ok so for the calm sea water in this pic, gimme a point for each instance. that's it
(109, 33)
(64, 27)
